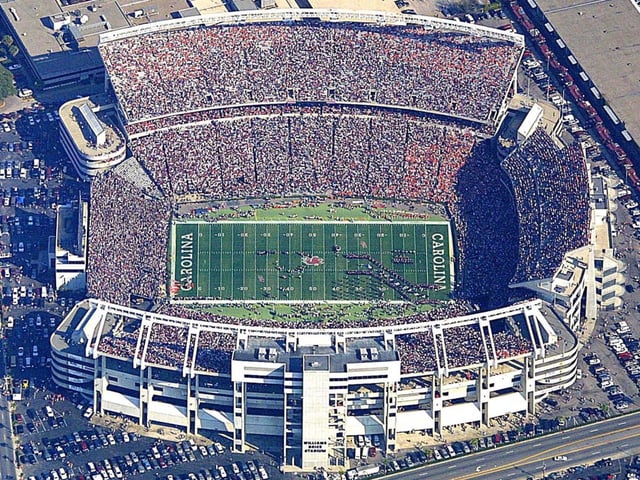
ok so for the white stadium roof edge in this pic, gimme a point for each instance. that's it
(326, 15)
(94, 319)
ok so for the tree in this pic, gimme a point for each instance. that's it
(7, 40)
(466, 6)
(475, 443)
(13, 51)
(6, 83)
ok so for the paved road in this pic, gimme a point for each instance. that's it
(7, 455)
(616, 437)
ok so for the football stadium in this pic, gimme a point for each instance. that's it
(314, 217)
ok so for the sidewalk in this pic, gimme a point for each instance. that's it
(14, 104)
(160, 432)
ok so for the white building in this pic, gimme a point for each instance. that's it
(313, 391)
(90, 137)
(72, 225)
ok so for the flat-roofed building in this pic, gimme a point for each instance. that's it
(90, 135)
(72, 224)
(59, 42)
(601, 51)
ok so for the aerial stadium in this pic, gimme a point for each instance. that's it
(314, 215)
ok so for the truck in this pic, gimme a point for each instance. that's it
(25, 93)
(363, 471)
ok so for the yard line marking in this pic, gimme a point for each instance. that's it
(324, 274)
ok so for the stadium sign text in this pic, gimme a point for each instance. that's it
(438, 259)
(186, 261)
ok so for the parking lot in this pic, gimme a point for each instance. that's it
(56, 441)
(61, 444)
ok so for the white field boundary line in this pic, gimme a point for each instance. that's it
(322, 222)
(289, 302)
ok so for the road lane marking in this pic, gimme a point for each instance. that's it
(542, 455)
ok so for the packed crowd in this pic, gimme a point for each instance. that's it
(552, 196)
(450, 72)
(128, 234)
(214, 351)
(167, 344)
(458, 346)
(119, 343)
(351, 152)
(486, 225)
(348, 152)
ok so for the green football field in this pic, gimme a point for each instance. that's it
(310, 261)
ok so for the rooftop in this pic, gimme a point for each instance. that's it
(80, 127)
(53, 53)
(599, 194)
(357, 351)
(603, 38)
(571, 271)
(380, 5)
(66, 336)
(67, 228)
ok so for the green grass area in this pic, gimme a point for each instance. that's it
(293, 212)
(293, 261)
(316, 312)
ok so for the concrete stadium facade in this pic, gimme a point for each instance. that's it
(314, 390)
